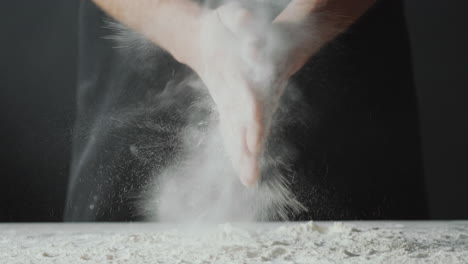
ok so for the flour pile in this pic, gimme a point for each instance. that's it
(360, 242)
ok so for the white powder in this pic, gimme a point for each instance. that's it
(353, 242)
(200, 179)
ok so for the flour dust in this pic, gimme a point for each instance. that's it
(197, 181)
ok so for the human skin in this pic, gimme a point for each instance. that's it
(215, 36)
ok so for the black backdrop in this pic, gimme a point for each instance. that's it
(37, 100)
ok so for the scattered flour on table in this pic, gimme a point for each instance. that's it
(226, 243)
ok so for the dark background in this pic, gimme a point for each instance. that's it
(37, 100)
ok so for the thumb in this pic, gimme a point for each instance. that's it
(255, 129)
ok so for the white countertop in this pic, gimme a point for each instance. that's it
(313, 242)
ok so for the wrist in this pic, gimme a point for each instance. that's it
(186, 47)
(180, 25)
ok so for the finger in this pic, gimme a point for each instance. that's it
(249, 170)
(254, 132)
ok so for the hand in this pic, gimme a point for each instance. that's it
(245, 64)
(217, 58)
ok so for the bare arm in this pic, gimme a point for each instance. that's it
(327, 19)
(168, 23)
(332, 16)
(298, 10)
(171, 23)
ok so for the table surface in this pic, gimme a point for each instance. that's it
(286, 242)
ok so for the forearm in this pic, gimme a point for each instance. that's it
(333, 16)
(168, 23)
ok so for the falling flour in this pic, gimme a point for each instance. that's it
(190, 171)
(351, 242)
